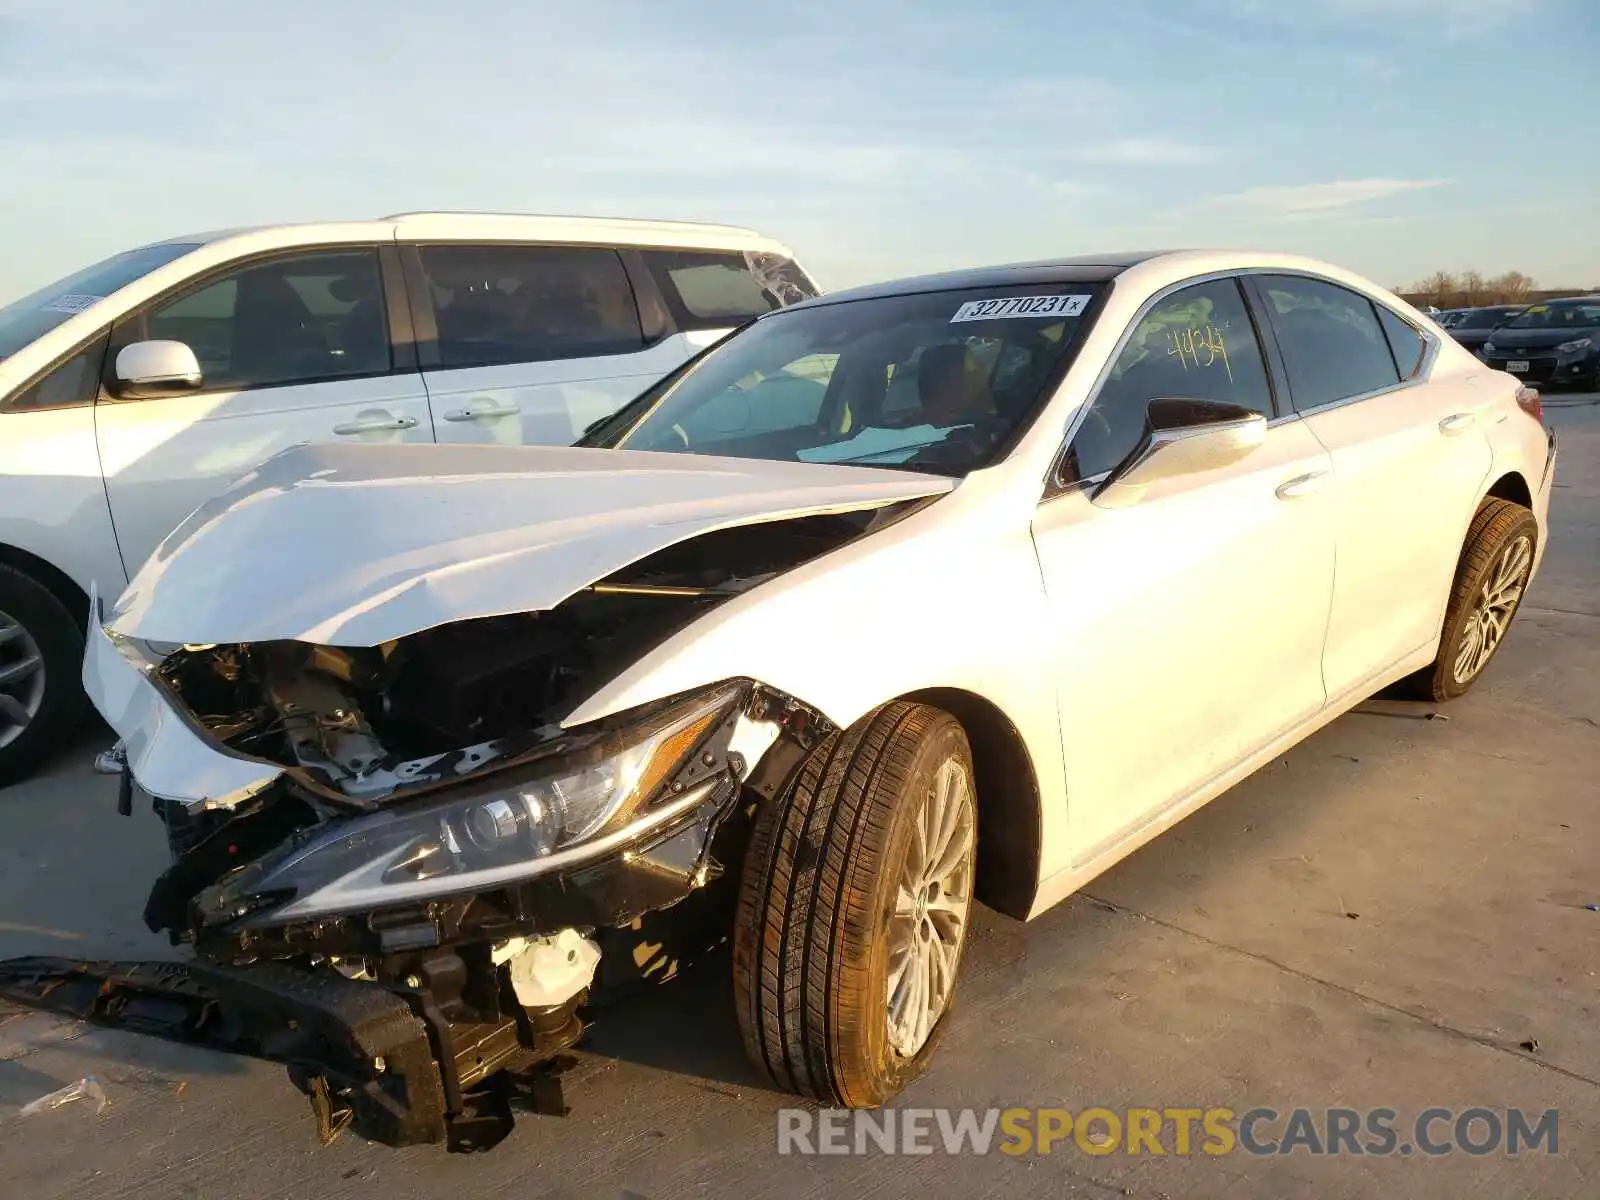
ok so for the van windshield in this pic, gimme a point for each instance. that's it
(30, 318)
(935, 381)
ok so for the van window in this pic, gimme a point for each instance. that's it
(298, 319)
(715, 289)
(509, 304)
(30, 318)
(75, 381)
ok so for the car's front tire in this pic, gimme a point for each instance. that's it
(41, 658)
(1491, 579)
(853, 907)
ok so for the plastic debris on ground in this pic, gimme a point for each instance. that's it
(87, 1088)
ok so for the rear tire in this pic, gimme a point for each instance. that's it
(1491, 579)
(41, 665)
(844, 913)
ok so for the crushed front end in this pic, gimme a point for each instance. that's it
(401, 890)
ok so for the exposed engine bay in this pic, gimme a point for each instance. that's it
(415, 913)
(362, 723)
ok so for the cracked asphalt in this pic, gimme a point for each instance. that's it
(1392, 915)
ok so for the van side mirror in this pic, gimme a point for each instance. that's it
(1182, 437)
(146, 370)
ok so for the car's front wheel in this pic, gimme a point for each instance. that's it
(1495, 568)
(854, 905)
(41, 656)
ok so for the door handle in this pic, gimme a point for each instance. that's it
(1301, 485)
(482, 412)
(374, 425)
(1457, 423)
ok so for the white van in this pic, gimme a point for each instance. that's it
(139, 387)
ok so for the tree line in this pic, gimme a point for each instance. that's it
(1469, 289)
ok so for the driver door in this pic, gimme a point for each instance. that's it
(1187, 628)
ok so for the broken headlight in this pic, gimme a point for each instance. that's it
(527, 821)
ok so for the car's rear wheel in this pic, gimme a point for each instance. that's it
(1496, 566)
(41, 657)
(854, 905)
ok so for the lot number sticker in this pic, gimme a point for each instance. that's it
(1020, 306)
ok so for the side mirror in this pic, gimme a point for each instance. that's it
(1182, 437)
(145, 370)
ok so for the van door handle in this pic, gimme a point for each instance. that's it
(374, 425)
(482, 411)
(1457, 423)
(1302, 485)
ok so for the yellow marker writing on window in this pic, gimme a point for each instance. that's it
(1199, 347)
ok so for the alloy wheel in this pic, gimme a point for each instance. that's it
(22, 678)
(1492, 610)
(932, 903)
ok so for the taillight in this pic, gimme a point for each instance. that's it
(1529, 401)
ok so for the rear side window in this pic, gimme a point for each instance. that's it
(1404, 341)
(508, 304)
(1333, 346)
(719, 289)
(75, 381)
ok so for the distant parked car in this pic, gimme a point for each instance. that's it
(1448, 317)
(1554, 342)
(1473, 327)
(138, 388)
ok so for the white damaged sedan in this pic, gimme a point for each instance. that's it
(958, 588)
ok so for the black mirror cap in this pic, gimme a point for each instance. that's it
(1166, 414)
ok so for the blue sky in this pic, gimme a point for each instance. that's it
(877, 137)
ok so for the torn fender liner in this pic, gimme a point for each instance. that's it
(355, 545)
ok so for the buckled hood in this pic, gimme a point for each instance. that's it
(356, 545)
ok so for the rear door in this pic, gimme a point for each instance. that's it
(525, 344)
(293, 348)
(1410, 458)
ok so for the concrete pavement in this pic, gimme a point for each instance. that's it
(1389, 916)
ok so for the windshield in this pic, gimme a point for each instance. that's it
(1570, 315)
(939, 381)
(35, 315)
(1486, 318)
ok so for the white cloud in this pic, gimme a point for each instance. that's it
(1311, 200)
(1149, 152)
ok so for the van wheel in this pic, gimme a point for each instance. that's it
(853, 907)
(1496, 565)
(41, 659)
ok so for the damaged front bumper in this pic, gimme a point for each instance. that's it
(163, 749)
(432, 1017)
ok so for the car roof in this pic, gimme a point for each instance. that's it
(508, 227)
(1089, 268)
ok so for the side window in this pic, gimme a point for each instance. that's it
(302, 319)
(711, 289)
(1333, 346)
(1405, 343)
(1198, 343)
(75, 381)
(510, 304)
